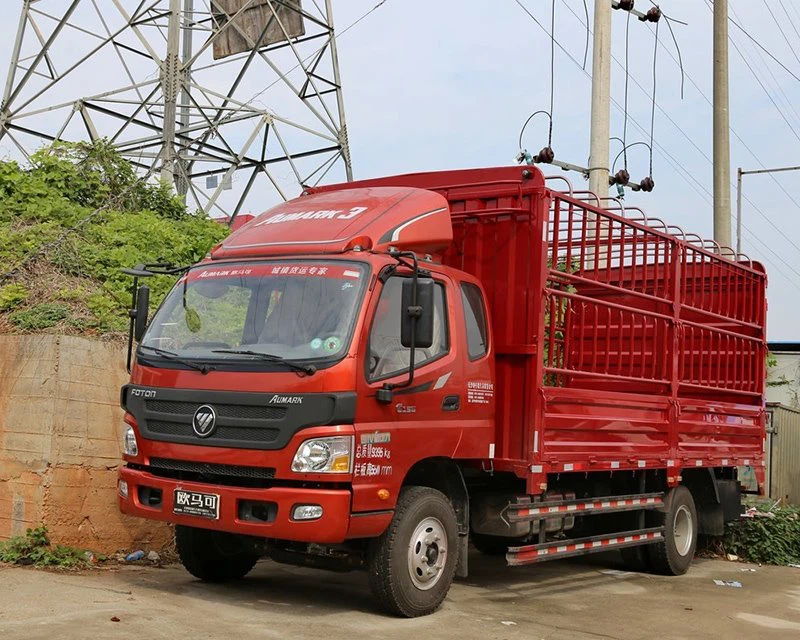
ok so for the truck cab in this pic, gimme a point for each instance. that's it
(275, 396)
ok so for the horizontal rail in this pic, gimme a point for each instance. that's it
(724, 332)
(524, 512)
(717, 316)
(518, 556)
(607, 304)
(610, 287)
(702, 387)
(480, 213)
(607, 376)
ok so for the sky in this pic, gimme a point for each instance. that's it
(448, 84)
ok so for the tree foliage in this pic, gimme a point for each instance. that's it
(75, 285)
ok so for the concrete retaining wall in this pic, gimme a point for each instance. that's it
(60, 428)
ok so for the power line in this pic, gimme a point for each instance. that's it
(733, 131)
(703, 153)
(761, 46)
(691, 180)
(766, 91)
(791, 22)
(780, 28)
(777, 83)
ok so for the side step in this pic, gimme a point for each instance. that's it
(529, 554)
(584, 506)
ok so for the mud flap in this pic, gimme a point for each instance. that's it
(462, 564)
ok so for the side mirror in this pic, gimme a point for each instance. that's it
(419, 313)
(142, 309)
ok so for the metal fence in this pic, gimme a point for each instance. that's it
(783, 453)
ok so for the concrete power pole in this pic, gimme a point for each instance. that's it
(722, 142)
(601, 99)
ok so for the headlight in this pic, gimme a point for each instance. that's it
(324, 455)
(129, 445)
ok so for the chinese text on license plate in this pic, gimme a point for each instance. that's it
(193, 503)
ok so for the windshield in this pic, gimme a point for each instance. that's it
(293, 310)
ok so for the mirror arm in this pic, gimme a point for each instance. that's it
(132, 316)
(385, 395)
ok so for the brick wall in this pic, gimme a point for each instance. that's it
(60, 428)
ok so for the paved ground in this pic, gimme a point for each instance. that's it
(563, 600)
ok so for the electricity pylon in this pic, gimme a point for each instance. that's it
(235, 102)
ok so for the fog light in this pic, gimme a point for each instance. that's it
(307, 512)
(123, 488)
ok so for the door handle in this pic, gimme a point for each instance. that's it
(451, 403)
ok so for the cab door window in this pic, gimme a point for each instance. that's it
(475, 321)
(387, 356)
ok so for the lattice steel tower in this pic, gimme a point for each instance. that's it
(235, 102)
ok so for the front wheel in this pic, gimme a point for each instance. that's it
(411, 566)
(674, 554)
(213, 556)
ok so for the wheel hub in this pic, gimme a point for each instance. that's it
(427, 552)
(683, 530)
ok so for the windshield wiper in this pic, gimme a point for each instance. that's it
(169, 355)
(308, 369)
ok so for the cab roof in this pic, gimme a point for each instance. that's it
(375, 218)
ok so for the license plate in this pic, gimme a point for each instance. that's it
(193, 503)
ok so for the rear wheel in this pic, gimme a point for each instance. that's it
(213, 556)
(411, 566)
(674, 554)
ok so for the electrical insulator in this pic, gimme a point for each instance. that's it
(626, 5)
(621, 177)
(647, 184)
(654, 15)
(546, 155)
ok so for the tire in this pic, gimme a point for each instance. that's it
(411, 566)
(212, 556)
(674, 554)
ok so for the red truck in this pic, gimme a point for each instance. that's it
(375, 373)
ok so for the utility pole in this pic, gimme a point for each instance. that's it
(601, 99)
(722, 141)
(170, 81)
(739, 173)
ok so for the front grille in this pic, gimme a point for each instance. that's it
(239, 434)
(248, 412)
(206, 468)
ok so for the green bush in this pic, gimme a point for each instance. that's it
(12, 295)
(35, 548)
(764, 539)
(76, 285)
(42, 316)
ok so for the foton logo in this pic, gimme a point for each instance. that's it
(286, 399)
(142, 393)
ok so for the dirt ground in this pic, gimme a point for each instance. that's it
(573, 599)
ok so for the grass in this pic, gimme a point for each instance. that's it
(34, 548)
